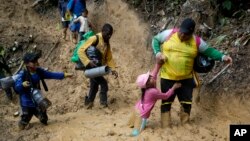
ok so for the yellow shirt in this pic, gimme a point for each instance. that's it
(101, 46)
(180, 58)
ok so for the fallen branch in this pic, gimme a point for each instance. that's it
(56, 45)
(218, 74)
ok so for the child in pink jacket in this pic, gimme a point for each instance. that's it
(150, 94)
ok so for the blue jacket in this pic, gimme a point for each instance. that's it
(25, 93)
(76, 7)
(62, 6)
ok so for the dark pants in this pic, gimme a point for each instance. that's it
(94, 85)
(184, 94)
(65, 24)
(28, 112)
(8, 93)
(81, 35)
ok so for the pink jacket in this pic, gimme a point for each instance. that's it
(151, 96)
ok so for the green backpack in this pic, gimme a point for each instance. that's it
(75, 57)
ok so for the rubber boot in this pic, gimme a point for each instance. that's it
(165, 120)
(184, 117)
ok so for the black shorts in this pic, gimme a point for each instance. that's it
(81, 35)
(184, 94)
(65, 24)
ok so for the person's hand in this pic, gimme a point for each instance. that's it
(92, 64)
(68, 74)
(160, 58)
(113, 72)
(26, 84)
(176, 85)
(227, 59)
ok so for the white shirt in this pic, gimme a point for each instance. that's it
(84, 24)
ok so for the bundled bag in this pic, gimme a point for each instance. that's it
(42, 102)
(203, 64)
(8, 82)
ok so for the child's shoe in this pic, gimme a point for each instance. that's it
(135, 133)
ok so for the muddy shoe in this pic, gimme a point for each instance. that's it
(104, 105)
(89, 105)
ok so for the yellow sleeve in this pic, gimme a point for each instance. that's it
(109, 58)
(81, 51)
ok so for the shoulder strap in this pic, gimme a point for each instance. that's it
(43, 82)
(197, 41)
(97, 41)
(27, 76)
(197, 38)
(172, 32)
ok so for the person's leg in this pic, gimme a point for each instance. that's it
(26, 116)
(184, 95)
(65, 25)
(131, 121)
(72, 28)
(103, 92)
(77, 29)
(42, 116)
(92, 93)
(137, 124)
(81, 36)
(8, 93)
(166, 104)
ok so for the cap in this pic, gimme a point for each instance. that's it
(30, 57)
(142, 79)
(187, 26)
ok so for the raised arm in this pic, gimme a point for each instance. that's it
(155, 71)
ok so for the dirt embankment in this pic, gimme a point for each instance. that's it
(69, 120)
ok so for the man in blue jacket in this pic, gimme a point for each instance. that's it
(28, 80)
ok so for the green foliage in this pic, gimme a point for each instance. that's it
(227, 4)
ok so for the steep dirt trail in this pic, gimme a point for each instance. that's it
(68, 120)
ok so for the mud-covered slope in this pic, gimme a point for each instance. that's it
(223, 103)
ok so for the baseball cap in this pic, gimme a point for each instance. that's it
(142, 79)
(187, 26)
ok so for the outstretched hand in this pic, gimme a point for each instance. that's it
(227, 59)
(26, 84)
(160, 58)
(176, 85)
(68, 74)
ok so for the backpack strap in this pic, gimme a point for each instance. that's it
(42, 80)
(197, 38)
(28, 77)
(197, 41)
(172, 32)
(96, 42)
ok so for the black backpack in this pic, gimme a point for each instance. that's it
(203, 64)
